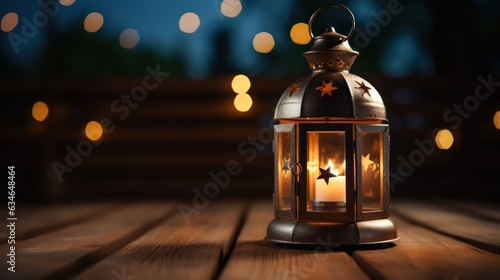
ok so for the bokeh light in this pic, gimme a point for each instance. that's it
(241, 84)
(231, 8)
(243, 102)
(300, 33)
(189, 22)
(496, 120)
(93, 22)
(67, 2)
(9, 22)
(93, 131)
(40, 111)
(263, 42)
(444, 139)
(129, 38)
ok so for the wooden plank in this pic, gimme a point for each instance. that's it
(425, 254)
(254, 258)
(62, 253)
(33, 220)
(481, 210)
(176, 249)
(480, 233)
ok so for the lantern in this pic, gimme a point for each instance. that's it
(331, 152)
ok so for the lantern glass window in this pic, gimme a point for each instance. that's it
(326, 171)
(371, 174)
(371, 171)
(285, 159)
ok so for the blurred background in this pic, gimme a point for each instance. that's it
(140, 99)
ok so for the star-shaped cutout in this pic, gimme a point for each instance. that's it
(326, 88)
(330, 63)
(293, 89)
(366, 162)
(325, 174)
(364, 88)
(286, 165)
(320, 64)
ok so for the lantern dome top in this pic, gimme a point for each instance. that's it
(330, 91)
(330, 47)
(327, 94)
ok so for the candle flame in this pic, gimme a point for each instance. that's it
(333, 170)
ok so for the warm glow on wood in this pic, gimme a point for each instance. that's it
(263, 42)
(444, 139)
(9, 22)
(300, 33)
(189, 22)
(243, 102)
(93, 131)
(241, 84)
(40, 111)
(93, 22)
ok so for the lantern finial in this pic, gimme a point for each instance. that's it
(331, 50)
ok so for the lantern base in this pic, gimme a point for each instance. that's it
(331, 233)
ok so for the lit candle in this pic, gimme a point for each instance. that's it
(334, 190)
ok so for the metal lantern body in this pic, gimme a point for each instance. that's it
(331, 151)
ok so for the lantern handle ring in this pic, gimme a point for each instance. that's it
(333, 6)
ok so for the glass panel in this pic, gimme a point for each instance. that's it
(371, 170)
(285, 162)
(326, 171)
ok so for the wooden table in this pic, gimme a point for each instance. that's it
(151, 240)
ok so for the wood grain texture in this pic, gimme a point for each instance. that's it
(176, 249)
(444, 219)
(479, 210)
(60, 254)
(35, 220)
(425, 254)
(254, 258)
(151, 240)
